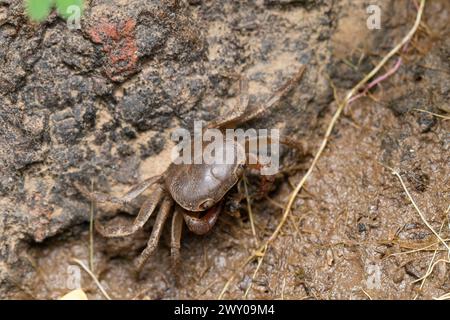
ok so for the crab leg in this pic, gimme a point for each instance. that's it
(177, 227)
(253, 112)
(152, 243)
(130, 195)
(144, 214)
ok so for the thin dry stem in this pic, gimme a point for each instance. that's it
(443, 297)
(85, 268)
(430, 266)
(91, 232)
(250, 211)
(417, 208)
(367, 294)
(426, 248)
(433, 114)
(430, 271)
(283, 288)
(263, 253)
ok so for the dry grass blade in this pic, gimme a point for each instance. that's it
(85, 268)
(283, 288)
(433, 114)
(426, 248)
(250, 211)
(430, 270)
(394, 172)
(328, 132)
(255, 273)
(91, 232)
(227, 284)
(430, 266)
(444, 297)
(367, 294)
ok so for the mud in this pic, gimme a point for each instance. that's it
(98, 105)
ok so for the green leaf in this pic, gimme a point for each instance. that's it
(65, 10)
(38, 10)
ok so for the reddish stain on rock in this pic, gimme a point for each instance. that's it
(119, 43)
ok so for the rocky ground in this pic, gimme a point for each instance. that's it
(98, 105)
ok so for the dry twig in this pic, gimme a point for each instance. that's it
(85, 268)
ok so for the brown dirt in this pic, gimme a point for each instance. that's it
(353, 217)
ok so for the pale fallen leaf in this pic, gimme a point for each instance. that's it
(77, 294)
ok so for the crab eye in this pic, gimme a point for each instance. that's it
(207, 204)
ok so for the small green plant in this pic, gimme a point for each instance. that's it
(38, 10)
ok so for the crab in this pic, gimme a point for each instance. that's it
(192, 193)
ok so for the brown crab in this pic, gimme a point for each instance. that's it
(194, 192)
